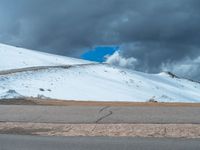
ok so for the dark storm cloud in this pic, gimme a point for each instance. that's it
(158, 33)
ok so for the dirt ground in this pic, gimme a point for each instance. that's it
(51, 102)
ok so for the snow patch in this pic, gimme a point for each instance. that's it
(10, 94)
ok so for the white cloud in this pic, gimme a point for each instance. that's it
(118, 60)
(186, 68)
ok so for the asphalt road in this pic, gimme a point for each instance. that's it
(37, 68)
(13, 142)
(94, 114)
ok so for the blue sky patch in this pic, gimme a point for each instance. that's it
(98, 54)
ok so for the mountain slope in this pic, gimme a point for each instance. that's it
(83, 80)
(14, 57)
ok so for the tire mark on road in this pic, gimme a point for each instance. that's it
(102, 109)
(104, 116)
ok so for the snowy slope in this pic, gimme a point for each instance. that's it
(92, 82)
(14, 57)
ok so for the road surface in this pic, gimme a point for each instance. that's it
(38, 68)
(13, 142)
(99, 114)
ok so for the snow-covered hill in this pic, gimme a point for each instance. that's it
(72, 79)
(14, 57)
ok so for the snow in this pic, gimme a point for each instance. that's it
(87, 81)
(14, 57)
(10, 94)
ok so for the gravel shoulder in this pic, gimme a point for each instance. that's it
(112, 130)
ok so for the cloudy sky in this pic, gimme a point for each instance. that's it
(151, 35)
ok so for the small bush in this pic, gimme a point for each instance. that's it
(152, 100)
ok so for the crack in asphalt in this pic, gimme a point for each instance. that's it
(104, 116)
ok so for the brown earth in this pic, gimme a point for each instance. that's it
(51, 102)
